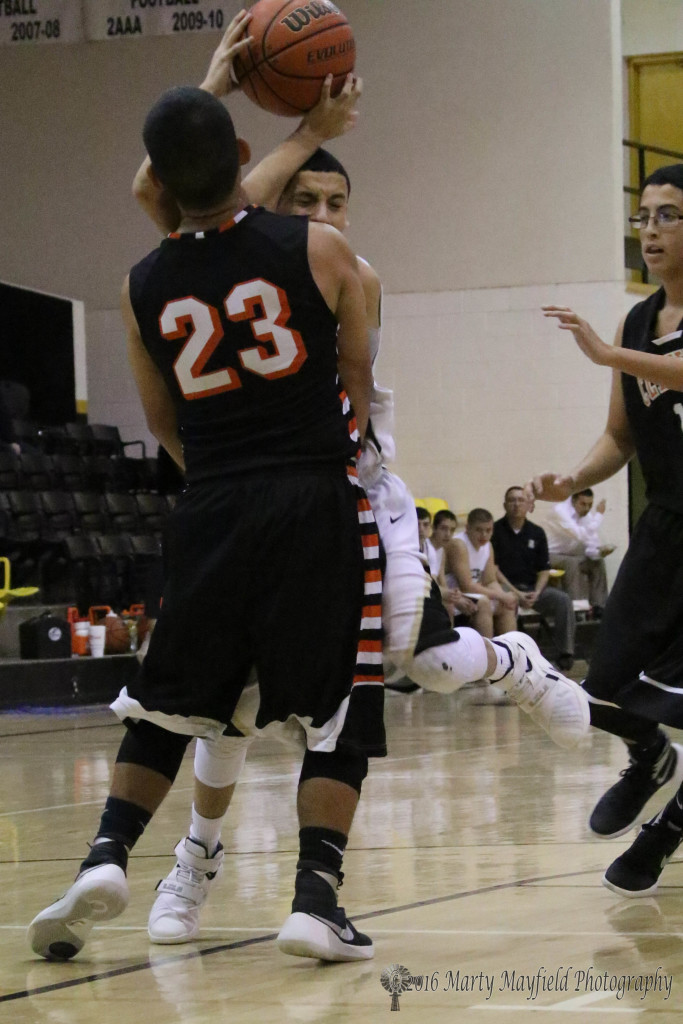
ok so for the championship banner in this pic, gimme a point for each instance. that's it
(131, 19)
(40, 21)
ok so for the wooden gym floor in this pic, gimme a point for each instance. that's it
(470, 864)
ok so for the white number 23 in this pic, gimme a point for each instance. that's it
(200, 323)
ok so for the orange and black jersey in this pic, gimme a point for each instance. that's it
(246, 343)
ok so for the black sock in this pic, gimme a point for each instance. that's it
(123, 822)
(629, 727)
(321, 849)
(110, 851)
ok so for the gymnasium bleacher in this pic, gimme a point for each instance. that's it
(81, 518)
(78, 482)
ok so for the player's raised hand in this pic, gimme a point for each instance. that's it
(584, 335)
(219, 81)
(334, 115)
(550, 487)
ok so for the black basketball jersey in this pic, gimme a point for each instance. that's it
(655, 413)
(246, 344)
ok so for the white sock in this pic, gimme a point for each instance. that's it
(206, 830)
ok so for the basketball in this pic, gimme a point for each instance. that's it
(294, 47)
(117, 637)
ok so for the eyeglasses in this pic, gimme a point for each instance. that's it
(666, 217)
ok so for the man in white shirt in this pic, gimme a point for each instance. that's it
(574, 545)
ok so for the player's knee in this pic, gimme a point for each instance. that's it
(447, 667)
(340, 766)
(149, 746)
(219, 761)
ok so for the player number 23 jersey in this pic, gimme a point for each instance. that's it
(235, 322)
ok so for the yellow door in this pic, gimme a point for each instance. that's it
(656, 107)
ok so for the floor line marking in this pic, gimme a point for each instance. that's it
(224, 947)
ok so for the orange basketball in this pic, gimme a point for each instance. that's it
(117, 637)
(295, 46)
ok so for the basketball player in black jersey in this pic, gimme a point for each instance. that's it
(239, 327)
(635, 678)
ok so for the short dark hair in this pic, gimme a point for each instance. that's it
(515, 487)
(423, 513)
(191, 142)
(323, 161)
(444, 513)
(587, 492)
(670, 175)
(479, 515)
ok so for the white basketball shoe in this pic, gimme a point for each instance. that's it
(99, 893)
(559, 705)
(174, 918)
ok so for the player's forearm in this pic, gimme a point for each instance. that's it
(167, 435)
(607, 456)
(162, 423)
(266, 183)
(356, 378)
(505, 582)
(665, 370)
(542, 580)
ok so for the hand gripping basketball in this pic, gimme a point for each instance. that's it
(294, 46)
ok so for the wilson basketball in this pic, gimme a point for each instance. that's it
(117, 637)
(295, 45)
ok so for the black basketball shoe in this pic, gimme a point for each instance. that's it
(317, 927)
(644, 786)
(636, 872)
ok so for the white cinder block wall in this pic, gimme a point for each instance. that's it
(506, 394)
(487, 174)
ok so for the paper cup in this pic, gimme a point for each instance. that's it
(96, 635)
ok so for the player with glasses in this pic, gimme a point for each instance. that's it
(664, 217)
(635, 678)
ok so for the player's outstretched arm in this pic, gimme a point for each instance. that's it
(149, 192)
(156, 400)
(658, 369)
(329, 118)
(613, 449)
(335, 271)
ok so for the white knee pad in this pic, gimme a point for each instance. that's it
(449, 666)
(219, 761)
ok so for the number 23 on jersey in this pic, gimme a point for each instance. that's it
(200, 324)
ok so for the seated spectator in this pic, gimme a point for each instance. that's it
(574, 544)
(469, 558)
(462, 609)
(444, 525)
(523, 566)
(424, 528)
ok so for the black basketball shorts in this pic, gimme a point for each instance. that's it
(277, 571)
(637, 661)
